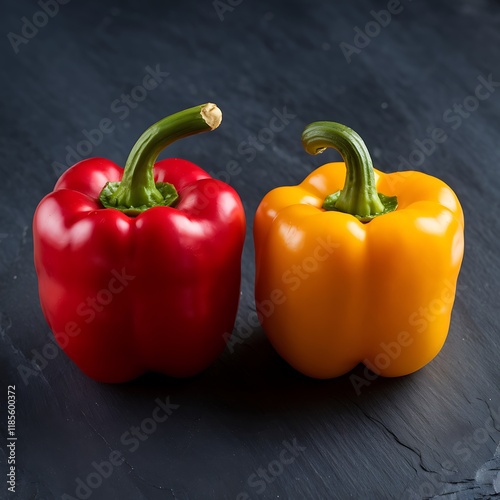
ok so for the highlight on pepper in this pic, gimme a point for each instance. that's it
(139, 268)
(361, 266)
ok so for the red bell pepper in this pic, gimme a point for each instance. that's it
(139, 269)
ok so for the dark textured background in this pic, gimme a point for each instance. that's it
(427, 435)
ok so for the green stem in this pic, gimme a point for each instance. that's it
(359, 195)
(137, 190)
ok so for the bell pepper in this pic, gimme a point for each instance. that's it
(139, 268)
(357, 266)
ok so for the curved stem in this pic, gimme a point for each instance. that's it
(359, 195)
(137, 191)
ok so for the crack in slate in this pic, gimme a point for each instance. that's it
(132, 470)
(149, 483)
(95, 431)
(486, 482)
(5, 325)
(490, 412)
(398, 440)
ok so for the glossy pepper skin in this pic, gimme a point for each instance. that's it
(363, 282)
(141, 288)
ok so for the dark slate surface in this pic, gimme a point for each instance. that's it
(433, 434)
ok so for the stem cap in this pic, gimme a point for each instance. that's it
(359, 196)
(137, 190)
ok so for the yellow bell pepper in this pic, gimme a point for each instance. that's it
(345, 274)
